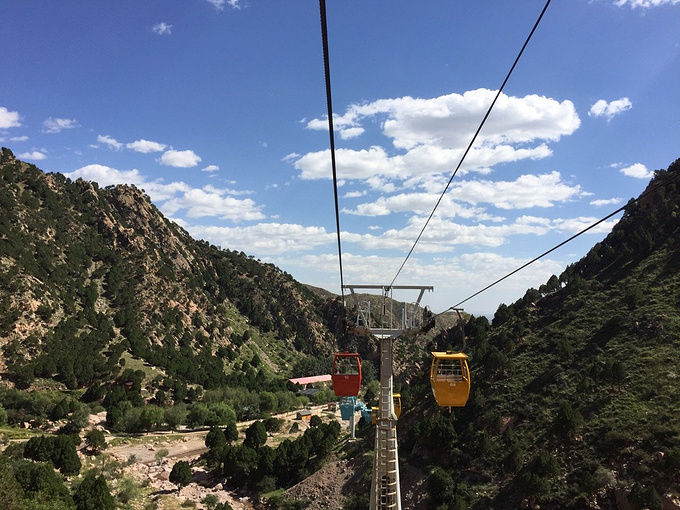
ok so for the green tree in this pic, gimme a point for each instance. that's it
(215, 438)
(65, 457)
(93, 494)
(567, 421)
(11, 493)
(95, 441)
(210, 501)
(181, 474)
(231, 433)
(175, 416)
(645, 497)
(256, 435)
(40, 481)
(151, 418)
(198, 414)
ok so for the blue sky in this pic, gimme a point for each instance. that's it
(217, 110)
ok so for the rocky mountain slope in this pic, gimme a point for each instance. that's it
(88, 273)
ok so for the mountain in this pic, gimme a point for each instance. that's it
(89, 273)
(576, 386)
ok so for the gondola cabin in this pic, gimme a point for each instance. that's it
(450, 378)
(396, 398)
(346, 374)
(347, 407)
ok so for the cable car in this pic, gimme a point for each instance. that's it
(347, 407)
(346, 374)
(396, 398)
(450, 378)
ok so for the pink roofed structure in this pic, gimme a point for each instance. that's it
(304, 381)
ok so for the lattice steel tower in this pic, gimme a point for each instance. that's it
(385, 487)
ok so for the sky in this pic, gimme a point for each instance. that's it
(217, 110)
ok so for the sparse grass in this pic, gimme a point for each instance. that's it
(139, 364)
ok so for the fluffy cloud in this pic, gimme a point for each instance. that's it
(431, 135)
(8, 119)
(450, 120)
(527, 191)
(644, 4)
(180, 159)
(110, 141)
(219, 4)
(603, 202)
(56, 125)
(107, 176)
(574, 225)
(200, 203)
(607, 110)
(145, 146)
(34, 156)
(638, 170)
(265, 238)
(211, 168)
(162, 28)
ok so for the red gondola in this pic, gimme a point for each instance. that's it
(346, 374)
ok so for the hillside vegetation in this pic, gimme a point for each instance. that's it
(89, 273)
(576, 386)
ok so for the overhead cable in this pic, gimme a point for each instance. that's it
(329, 105)
(644, 194)
(486, 116)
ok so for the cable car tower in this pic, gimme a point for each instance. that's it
(385, 488)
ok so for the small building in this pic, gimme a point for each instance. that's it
(304, 381)
(304, 415)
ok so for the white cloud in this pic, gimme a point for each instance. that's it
(219, 4)
(602, 202)
(574, 225)
(450, 120)
(56, 125)
(527, 191)
(265, 238)
(354, 194)
(638, 170)
(430, 136)
(180, 159)
(35, 156)
(19, 138)
(162, 28)
(107, 176)
(607, 110)
(110, 141)
(145, 146)
(9, 119)
(201, 203)
(644, 4)
(348, 134)
(211, 168)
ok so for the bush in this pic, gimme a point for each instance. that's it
(181, 474)
(93, 494)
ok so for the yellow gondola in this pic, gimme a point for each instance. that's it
(396, 398)
(450, 378)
